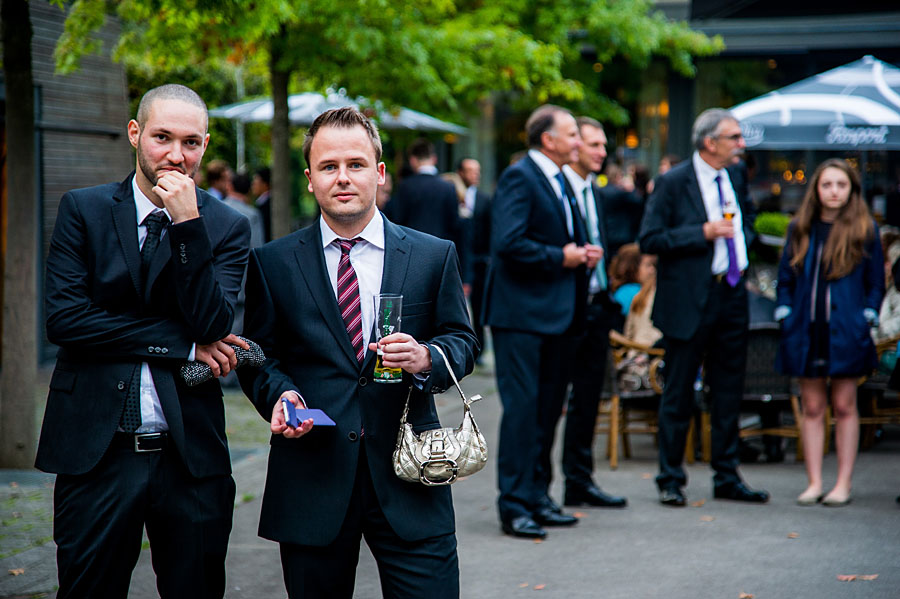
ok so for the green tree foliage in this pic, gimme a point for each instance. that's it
(440, 56)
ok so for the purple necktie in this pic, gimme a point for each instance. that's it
(734, 273)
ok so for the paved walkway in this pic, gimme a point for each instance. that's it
(714, 549)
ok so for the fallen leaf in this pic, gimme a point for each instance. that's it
(17, 571)
(745, 596)
(698, 503)
(846, 577)
(646, 475)
(13, 485)
(792, 535)
(868, 576)
(538, 541)
(524, 585)
(17, 515)
(707, 518)
(539, 587)
(579, 514)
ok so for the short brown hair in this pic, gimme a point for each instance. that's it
(344, 118)
(170, 91)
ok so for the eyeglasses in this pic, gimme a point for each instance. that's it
(734, 137)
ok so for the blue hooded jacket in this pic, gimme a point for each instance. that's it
(851, 351)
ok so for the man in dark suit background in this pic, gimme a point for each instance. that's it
(130, 298)
(475, 240)
(703, 308)
(260, 187)
(535, 300)
(334, 485)
(423, 201)
(601, 315)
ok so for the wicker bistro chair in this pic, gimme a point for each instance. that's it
(878, 404)
(636, 386)
(763, 385)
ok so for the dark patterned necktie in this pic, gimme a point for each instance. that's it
(348, 297)
(155, 222)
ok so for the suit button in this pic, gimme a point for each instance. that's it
(158, 350)
(362, 381)
(183, 260)
(352, 436)
(121, 386)
(150, 349)
(165, 350)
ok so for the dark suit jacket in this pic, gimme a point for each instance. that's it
(673, 230)
(106, 324)
(528, 289)
(428, 204)
(622, 214)
(293, 314)
(475, 237)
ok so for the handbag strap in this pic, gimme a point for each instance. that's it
(466, 401)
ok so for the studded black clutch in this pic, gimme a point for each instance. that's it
(195, 373)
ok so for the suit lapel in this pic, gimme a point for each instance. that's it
(549, 192)
(693, 190)
(124, 215)
(396, 262)
(311, 262)
(162, 255)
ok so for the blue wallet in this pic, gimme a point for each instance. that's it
(294, 416)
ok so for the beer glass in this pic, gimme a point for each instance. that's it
(388, 308)
(729, 210)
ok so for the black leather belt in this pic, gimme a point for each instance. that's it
(721, 276)
(141, 442)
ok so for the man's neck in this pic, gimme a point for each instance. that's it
(580, 170)
(349, 230)
(711, 160)
(147, 188)
(555, 160)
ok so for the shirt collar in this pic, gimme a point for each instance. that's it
(578, 184)
(372, 233)
(143, 204)
(547, 166)
(704, 170)
(427, 169)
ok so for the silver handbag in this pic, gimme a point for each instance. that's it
(442, 455)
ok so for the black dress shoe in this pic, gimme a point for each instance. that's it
(546, 503)
(740, 492)
(592, 496)
(546, 517)
(672, 496)
(524, 527)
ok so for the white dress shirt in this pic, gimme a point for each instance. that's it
(706, 178)
(550, 170)
(584, 195)
(367, 259)
(152, 417)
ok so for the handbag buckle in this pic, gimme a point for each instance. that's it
(447, 463)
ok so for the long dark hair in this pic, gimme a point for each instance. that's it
(851, 229)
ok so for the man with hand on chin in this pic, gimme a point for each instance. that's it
(141, 276)
(310, 306)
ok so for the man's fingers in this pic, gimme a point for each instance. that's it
(235, 340)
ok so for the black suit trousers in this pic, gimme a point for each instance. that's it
(407, 569)
(720, 344)
(587, 386)
(99, 519)
(532, 375)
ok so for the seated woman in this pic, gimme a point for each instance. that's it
(628, 272)
(638, 326)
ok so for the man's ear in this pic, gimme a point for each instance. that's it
(134, 133)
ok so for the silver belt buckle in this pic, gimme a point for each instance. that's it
(146, 437)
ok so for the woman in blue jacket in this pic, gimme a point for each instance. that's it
(830, 286)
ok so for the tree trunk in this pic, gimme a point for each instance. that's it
(19, 338)
(281, 146)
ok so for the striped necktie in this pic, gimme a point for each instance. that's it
(348, 297)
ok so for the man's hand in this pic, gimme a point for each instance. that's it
(594, 253)
(279, 427)
(574, 256)
(178, 195)
(714, 229)
(219, 355)
(402, 351)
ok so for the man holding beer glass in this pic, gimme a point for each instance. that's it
(311, 306)
(699, 221)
